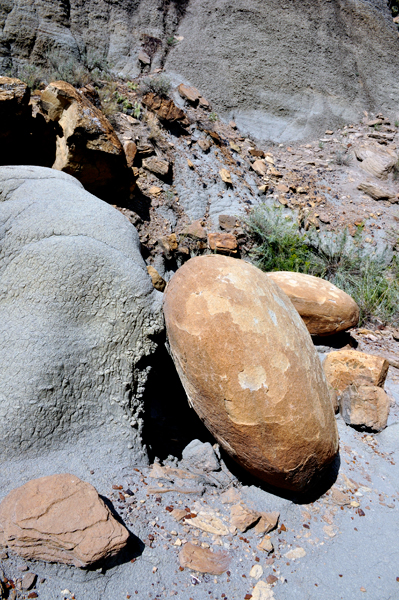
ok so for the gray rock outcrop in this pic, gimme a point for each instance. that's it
(284, 71)
(78, 316)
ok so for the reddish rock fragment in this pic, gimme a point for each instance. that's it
(203, 560)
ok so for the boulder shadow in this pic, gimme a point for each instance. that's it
(319, 485)
(336, 340)
(170, 424)
(133, 549)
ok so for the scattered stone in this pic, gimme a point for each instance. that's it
(88, 148)
(235, 147)
(268, 370)
(227, 222)
(377, 191)
(155, 190)
(189, 93)
(196, 230)
(28, 581)
(190, 164)
(204, 145)
(339, 497)
(201, 457)
(243, 518)
(295, 553)
(365, 406)
(156, 165)
(178, 514)
(144, 58)
(324, 308)
(274, 172)
(169, 243)
(256, 572)
(225, 175)
(157, 281)
(267, 522)
(210, 523)
(350, 367)
(262, 591)
(60, 519)
(256, 152)
(329, 530)
(266, 545)
(203, 560)
(223, 242)
(271, 579)
(263, 188)
(165, 108)
(130, 149)
(259, 166)
(230, 496)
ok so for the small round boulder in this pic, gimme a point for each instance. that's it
(324, 308)
(250, 370)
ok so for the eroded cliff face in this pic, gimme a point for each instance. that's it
(283, 70)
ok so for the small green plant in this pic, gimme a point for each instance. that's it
(377, 126)
(342, 157)
(396, 123)
(132, 86)
(372, 281)
(213, 117)
(171, 41)
(159, 85)
(137, 109)
(321, 145)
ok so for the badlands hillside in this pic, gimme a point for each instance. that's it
(199, 299)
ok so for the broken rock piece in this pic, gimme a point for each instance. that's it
(60, 519)
(203, 560)
(243, 518)
(200, 457)
(365, 406)
(267, 522)
(350, 367)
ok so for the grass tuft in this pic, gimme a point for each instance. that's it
(372, 281)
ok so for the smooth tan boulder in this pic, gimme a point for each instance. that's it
(324, 308)
(366, 407)
(350, 367)
(250, 369)
(62, 519)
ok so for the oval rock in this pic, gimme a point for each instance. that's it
(250, 370)
(324, 308)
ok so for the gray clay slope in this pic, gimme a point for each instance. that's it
(283, 71)
(78, 316)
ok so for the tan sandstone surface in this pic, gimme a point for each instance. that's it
(250, 370)
(324, 308)
(60, 518)
(350, 367)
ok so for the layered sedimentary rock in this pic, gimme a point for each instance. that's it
(250, 370)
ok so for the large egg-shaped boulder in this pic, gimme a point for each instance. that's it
(324, 308)
(250, 370)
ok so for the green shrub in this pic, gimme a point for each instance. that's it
(372, 281)
(159, 85)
